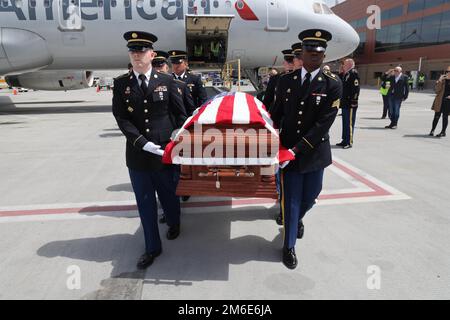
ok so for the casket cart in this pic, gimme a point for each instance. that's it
(229, 147)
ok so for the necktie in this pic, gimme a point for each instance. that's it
(144, 87)
(306, 83)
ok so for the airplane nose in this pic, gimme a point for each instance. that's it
(348, 39)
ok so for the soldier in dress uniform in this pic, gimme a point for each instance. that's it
(148, 107)
(349, 102)
(296, 64)
(288, 65)
(161, 64)
(194, 82)
(306, 106)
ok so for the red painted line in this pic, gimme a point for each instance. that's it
(361, 179)
(377, 191)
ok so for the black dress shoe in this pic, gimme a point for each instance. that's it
(340, 144)
(389, 126)
(185, 198)
(147, 259)
(173, 232)
(300, 231)
(162, 219)
(289, 258)
(431, 134)
(442, 134)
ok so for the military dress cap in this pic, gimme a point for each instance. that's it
(177, 56)
(160, 59)
(139, 40)
(297, 48)
(288, 55)
(315, 39)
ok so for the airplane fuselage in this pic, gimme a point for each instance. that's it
(94, 41)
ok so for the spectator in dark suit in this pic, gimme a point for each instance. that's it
(398, 92)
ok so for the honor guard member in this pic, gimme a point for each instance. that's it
(161, 64)
(148, 107)
(194, 82)
(269, 99)
(288, 65)
(297, 51)
(349, 102)
(306, 107)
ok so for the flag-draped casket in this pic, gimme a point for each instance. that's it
(229, 147)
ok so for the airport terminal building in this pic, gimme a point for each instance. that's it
(414, 34)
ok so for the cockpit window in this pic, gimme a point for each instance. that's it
(327, 9)
(317, 8)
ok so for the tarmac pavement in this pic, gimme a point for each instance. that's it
(70, 229)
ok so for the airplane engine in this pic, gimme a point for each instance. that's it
(52, 80)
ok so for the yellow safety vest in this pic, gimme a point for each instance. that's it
(384, 91)
(198, 50)
(215, 48)
(422, 79)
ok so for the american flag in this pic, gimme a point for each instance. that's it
(231, 109)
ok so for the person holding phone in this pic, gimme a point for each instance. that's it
(441, 105)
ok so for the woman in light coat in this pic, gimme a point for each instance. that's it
(441, 105)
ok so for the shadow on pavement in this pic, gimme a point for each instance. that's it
(204, 250)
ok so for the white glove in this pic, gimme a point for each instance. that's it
(153, 148)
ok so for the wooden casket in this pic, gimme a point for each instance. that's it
(227, 148)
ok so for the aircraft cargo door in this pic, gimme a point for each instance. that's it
(207, 40)
(277, 15)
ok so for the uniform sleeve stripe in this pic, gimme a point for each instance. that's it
(312, 147)
(134, 143)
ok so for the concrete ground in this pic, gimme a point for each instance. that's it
(69, 228)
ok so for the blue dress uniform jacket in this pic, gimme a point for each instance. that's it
(304, 119)
(269, 95)
(188, 101)
(195, 85)
(351, 89)
(147, 116)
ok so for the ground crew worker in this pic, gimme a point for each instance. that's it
(410, 81)
(306, 107)
(148, 108)
(384, 89)
(421, 83)
(349, 102)
(215, 49)
(198, 51)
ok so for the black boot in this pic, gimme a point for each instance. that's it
(290, 258)
(442, 134)
(301, 230)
